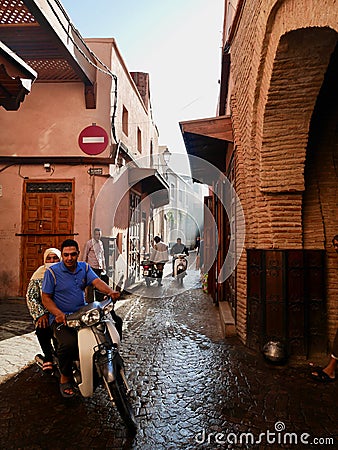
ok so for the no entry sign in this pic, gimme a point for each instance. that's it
(93, 140)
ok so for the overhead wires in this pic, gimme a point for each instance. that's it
(106, 70)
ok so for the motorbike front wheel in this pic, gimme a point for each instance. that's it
(118, 392)
(180, 277)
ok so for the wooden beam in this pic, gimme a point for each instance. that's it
(90, 96)
(215, 127)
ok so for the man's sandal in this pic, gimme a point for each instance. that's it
(67, 390)
(321, 376)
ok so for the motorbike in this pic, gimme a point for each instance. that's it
(180, 267)
(152, 271)
(100, 363)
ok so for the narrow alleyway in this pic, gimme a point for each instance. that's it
(192, 389)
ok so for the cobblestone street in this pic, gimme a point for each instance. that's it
(192, 389)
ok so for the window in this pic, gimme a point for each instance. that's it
(151, 160)
(125, 120)
(172, 190)
(42, 187)
(139, 140)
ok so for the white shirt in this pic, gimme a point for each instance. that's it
(159, 253)
(94, 254)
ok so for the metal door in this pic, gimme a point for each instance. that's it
(287, 299)
(134, 238)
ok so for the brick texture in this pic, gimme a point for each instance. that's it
(279, 58)
(141, 80)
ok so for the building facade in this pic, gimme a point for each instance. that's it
(182, 217)
(277, 90)
(85, 118)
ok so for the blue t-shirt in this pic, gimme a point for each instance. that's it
(67, 288)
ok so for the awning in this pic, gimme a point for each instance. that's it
(207, 139)
(42, 34)
(16, 78)
(152, 183)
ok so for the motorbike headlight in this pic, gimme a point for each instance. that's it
(91, 317)
(74, 323)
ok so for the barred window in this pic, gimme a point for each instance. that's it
(43, 187)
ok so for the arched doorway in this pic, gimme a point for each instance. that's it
(289, 295)
(320, 199)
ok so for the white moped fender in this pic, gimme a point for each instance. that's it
(86, 343)
(113, 333)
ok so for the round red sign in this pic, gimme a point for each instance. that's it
(93, 140)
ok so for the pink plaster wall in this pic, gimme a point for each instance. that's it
(50, 121)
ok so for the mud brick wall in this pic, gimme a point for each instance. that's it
(279, 56)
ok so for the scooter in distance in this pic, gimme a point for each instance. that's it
(152, 271)
(100, 362)
(180, 267)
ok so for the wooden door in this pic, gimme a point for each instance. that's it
(286, 300)
(47, 220)
(230, 240)
(210, 244)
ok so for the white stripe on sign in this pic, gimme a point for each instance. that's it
(93, 140)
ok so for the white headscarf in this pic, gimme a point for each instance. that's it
(39, 273)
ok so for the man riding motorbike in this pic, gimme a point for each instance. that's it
(177, 249)
(63, 293)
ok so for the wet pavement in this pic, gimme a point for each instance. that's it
(192, 389)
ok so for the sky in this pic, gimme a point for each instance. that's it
(178, 42)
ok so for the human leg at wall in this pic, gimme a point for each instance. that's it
(329, 372)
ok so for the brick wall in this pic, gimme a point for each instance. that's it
(275, 78)
(141, 80)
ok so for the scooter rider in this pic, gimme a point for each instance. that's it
(176, 250)
(38, 312)
(159, 255)
(63, 293)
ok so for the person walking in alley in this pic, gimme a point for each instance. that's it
(37, 310)
(63, 293)
(159, 255)
(197, 248)
(328, 374)
(94, 256)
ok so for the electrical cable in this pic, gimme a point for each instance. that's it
(6, 167)
(107, 70)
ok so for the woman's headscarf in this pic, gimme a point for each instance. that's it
(39, 273)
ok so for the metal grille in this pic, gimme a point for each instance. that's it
(14, 12)
(134, 238)
(48, 187)
(53, 69)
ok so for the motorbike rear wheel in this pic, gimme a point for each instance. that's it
(119, 394)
